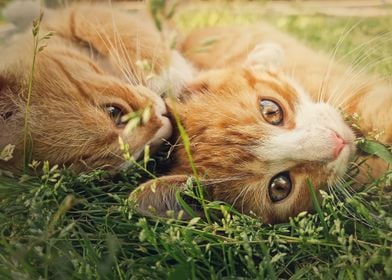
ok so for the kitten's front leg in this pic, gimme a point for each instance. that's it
(158, 196)
(374, 107)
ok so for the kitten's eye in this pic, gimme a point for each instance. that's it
(271, 112)
(115, 113)
(279, 187)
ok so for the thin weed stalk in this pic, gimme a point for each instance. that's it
(187, 147)
(37, 47)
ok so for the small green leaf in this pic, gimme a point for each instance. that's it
(376, 148)
(6, 152)
(41, 48)
(146, 155)
(194, 221)
(185, 205)
(317, 206)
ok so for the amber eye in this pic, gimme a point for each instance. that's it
(279, 187)
(271, 112)
(115, 113)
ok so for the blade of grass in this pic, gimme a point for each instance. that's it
(317, 206)
(376, 148)
(187, 146)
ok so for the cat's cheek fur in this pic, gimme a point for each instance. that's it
(312, 139)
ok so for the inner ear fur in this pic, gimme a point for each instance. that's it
(158, 196)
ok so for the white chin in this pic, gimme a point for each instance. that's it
(339, 166)
(163, 133)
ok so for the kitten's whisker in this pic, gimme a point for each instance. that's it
(328, 71)
(245, 190)
(341, 190)
(212, 181)
(359, 61)
(353, 91)
(365, 45)
(123, 65)
(123, 59)
(348, 191)
(112, 51)
(355, 63)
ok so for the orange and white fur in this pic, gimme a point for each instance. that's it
(257, 132)
(101, 65)
(257, 155)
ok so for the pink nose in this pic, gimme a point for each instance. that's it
(339, 144)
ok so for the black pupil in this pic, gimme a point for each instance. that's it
(279, 187)
(115, 114)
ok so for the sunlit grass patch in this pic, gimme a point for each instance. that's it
(363, 42)
(1, 18)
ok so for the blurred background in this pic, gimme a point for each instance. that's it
(366, 24)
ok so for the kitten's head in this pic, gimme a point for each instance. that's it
(76, 112)
(256, 137)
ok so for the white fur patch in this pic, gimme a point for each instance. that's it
(173, 79)
(312, 138)
(163, 133)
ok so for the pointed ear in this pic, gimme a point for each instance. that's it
(158, 196)
(264, 57)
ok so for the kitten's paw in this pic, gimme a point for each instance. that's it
(265, 56)
(158, 196)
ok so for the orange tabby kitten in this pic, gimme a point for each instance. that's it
(100, 66)
(257, 134)
(266, 122)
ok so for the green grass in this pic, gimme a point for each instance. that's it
(60, 225)
(365, 42)
(63, 226)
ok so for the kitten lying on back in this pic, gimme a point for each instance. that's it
(101, 65)
(257, 134)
